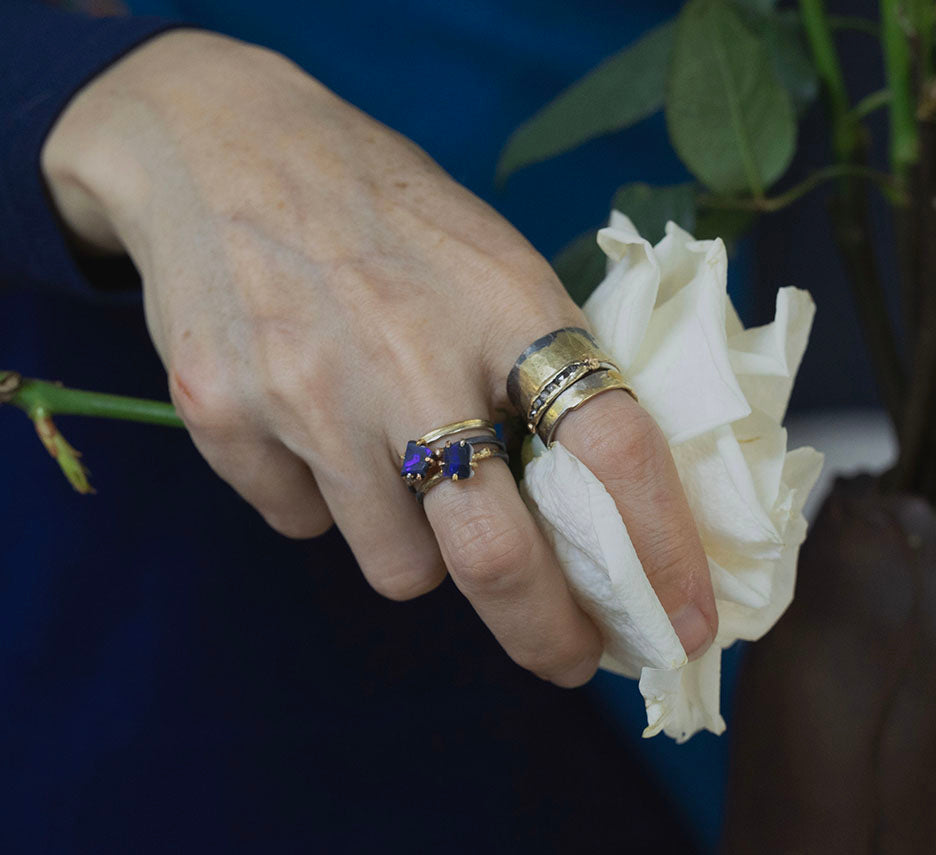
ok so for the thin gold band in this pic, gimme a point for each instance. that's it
(455, 427)
(577, 394)
(557, 384)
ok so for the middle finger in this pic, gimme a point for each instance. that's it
(501, 562)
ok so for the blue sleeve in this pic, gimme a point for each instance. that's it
(46, 56)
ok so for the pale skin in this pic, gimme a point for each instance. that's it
(320, 291)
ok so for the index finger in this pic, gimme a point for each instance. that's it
(625, 449)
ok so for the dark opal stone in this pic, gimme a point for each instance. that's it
(456, 460)
(417, 460)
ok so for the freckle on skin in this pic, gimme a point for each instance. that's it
(187, 334)
(402, 185)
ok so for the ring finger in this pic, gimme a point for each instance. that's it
(501, 562)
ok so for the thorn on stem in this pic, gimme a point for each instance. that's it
(67, 457)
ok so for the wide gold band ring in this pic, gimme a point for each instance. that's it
(541, 381)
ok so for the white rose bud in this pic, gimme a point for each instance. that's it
(719, 393)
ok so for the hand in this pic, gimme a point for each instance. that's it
(320, 291)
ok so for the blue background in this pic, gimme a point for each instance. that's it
(160, 646)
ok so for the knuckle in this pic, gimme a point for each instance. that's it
(203, 398)
(487, 553)
(538, 304)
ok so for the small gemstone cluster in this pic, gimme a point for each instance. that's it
(555, 384)
(420, 462)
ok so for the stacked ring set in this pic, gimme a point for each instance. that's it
(553, 376)
(425, 466)
(556, 375)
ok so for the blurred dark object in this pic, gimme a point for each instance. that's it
(835, 736)
(96, 8)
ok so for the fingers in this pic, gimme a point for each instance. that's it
(500, 561)
(272, 479)
(385, 528)
(622, 445)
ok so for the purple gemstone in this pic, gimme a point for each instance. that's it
(456, 460)
(417, 460)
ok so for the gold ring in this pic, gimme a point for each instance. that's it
(572, 397)
(549, 368)
(557, 384)
(455, 427)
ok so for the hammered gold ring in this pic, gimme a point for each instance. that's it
(557, 374)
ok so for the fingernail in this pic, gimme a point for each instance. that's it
(693, 630)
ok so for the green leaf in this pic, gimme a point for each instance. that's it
(729, 117)
(621, 91)
(789, 55)
(785, 40)
(650, 207)
(581, 266)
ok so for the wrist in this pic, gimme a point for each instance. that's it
(112, 146)
(86, 160)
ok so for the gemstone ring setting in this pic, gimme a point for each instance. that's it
(458, 460)
(423, 465)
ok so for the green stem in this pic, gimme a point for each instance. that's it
(924, 21)
(819, 177)
(870, 103)
(845, 134)
(59, 401)
(903, 131)
(850, 211)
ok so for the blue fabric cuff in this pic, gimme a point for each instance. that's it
(46, 56)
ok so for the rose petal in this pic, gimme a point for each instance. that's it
(682, 375)
(684, 701)
(767, 358)
(619, 309)
(723, 497)
(763, 443)
(679, 255)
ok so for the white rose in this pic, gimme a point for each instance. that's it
(719, 393)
